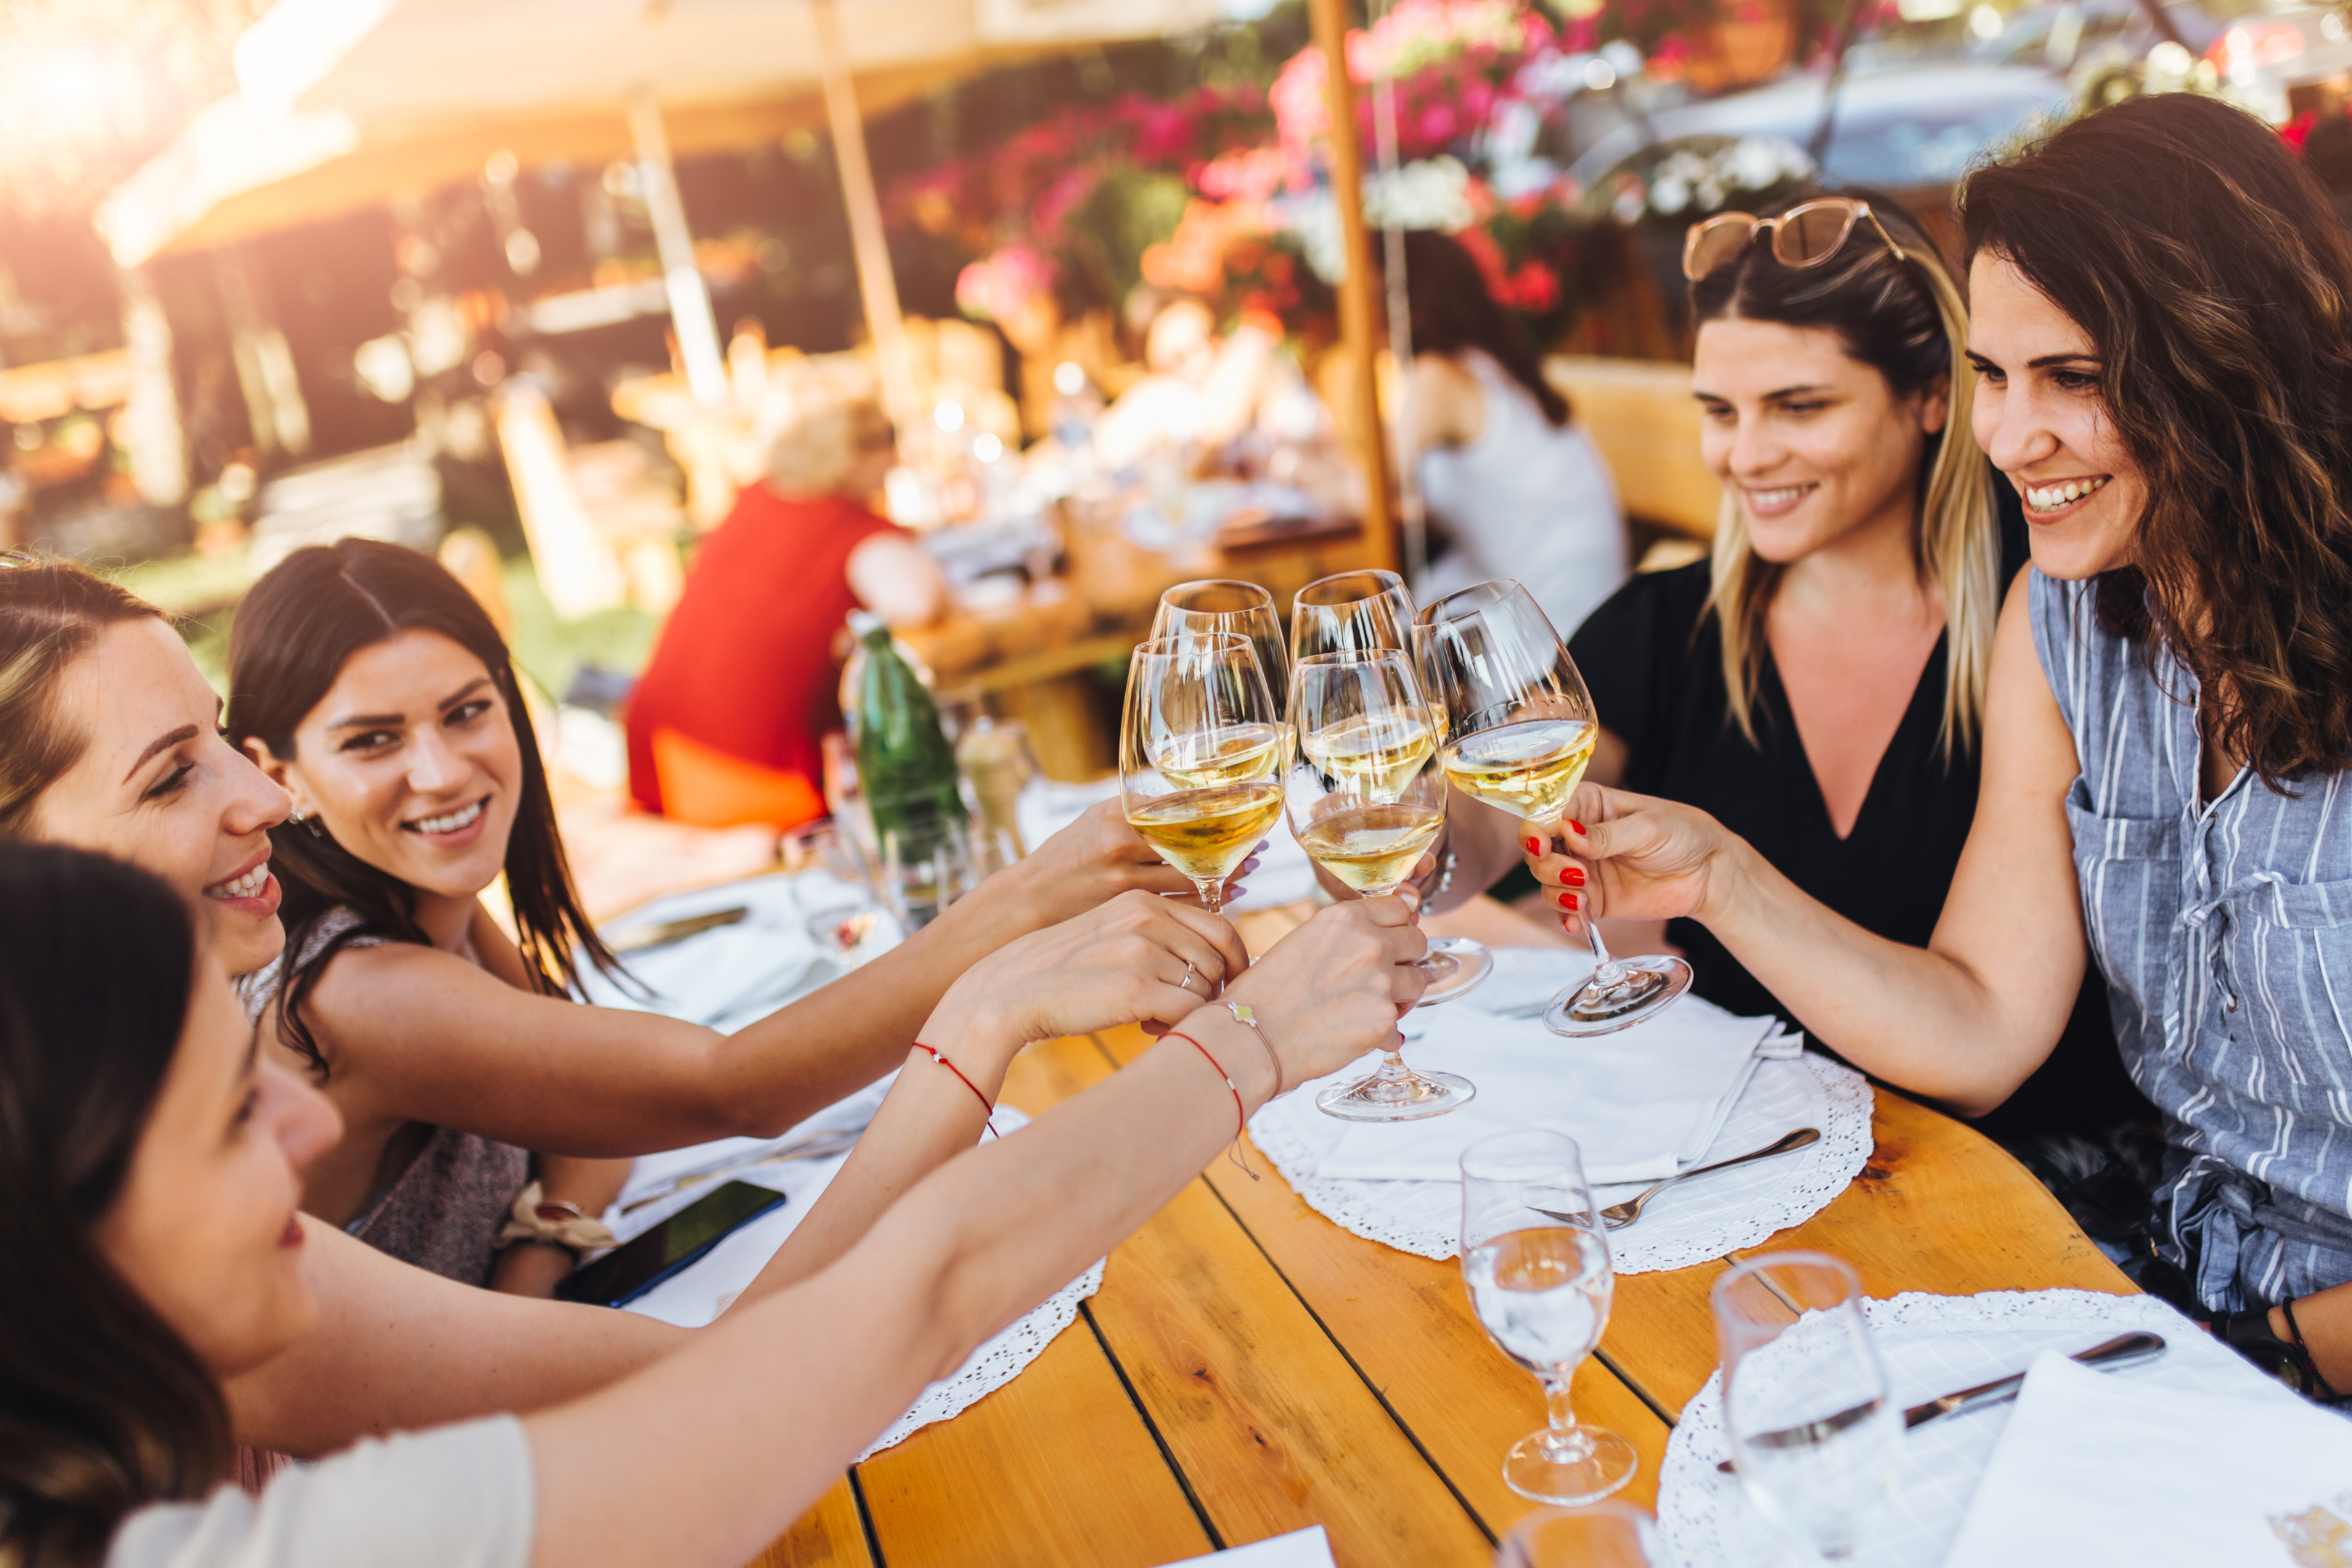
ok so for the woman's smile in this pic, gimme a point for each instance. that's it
(451, 829)
(250, 888)
(1777, 501)
(2047, 500)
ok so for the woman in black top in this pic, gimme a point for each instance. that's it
(1818, 684)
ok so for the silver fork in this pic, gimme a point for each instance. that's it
(1617, 1217)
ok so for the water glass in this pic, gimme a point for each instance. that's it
(832, 886)
(1536, 1260)
(1815, 1433)
(1609, 1534)
(924, 869)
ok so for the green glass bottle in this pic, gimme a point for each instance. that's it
(904, 761)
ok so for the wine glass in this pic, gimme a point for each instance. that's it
(1200, 754)
(1352, 612)
(1611, 1534)
(1537, 1264)
(1519, 730)
(1224, 604)
(1365, 797)
(1815, 1434)
(1359, 611)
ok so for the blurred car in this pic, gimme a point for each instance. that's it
(2281, 62)
(1899, 128)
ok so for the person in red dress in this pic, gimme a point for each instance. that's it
(726, 723)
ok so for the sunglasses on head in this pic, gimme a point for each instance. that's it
(1805, 236)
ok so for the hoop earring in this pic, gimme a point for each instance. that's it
(310, 822)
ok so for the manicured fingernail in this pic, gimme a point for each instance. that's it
(1535, 846)
(1568, 900)
(1564, 924)
(1573, 877)
(1578, 825)
(1261, 843)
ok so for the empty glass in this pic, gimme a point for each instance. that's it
(832, 886)
(1815, 1435)
(1611, 1534)
(1225, 604)
(924, 869)
(1537, 1265)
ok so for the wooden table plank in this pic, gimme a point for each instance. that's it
(1269, 1423)
(1405, 1321)
(1055, 1466)
(1937, 1208)
(828, 1536)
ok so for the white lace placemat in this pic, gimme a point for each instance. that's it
(1932, 1345)
(1691, 1223)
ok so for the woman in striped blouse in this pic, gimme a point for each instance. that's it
(2162, 320)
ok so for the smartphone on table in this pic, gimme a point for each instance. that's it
(644, 1261)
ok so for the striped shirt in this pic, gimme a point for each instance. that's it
(2224, 930)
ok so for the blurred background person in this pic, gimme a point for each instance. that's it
(726, 724)
(1515, 488)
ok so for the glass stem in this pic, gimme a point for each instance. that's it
(1392, 1068)
(1213, 893)
(1605, 969)
(1562, 1434)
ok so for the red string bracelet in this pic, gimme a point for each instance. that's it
(987, 1111)
(1240, 1117)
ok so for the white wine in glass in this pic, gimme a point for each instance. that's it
(1362, 612)
(1196, 787)
(1520, 731)
(1365, 799)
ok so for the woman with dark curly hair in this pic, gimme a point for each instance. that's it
(2162, 324)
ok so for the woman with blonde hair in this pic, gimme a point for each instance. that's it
(1818, 684)
(726, 723)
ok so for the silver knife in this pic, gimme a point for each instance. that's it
(2123, 1351)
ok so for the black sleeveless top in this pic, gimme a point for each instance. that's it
(1655, 670)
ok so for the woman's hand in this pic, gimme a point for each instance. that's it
(1620, 856)
(1091, 861)
(1120, 964)
(1335, 987)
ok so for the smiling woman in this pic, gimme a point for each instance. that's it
(109, 739)
(373, 688)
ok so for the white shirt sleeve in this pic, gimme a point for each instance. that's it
(458, 1497)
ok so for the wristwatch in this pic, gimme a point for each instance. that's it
(2249, 1334)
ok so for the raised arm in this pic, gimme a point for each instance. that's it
(1965, 1019)
(396, 1348)
(416, 1035)
(698, 1461)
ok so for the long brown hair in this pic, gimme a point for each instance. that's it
(294, 633)
(50, 614)
(1903, 320)
(1452, 312)
(103, 1407)
(2215, 279)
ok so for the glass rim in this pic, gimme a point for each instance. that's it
(1337, 656)
(1194, 643)
(1265, 599)
(1389, 582)
(1465, 601)
(1750, 1267)
(1574, 1152)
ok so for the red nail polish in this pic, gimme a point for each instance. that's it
(1535, 846)
(1573, 877)
(1568, 900)
(1578, 825)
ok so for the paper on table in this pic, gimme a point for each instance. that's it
(733, 974)
(2094, 1468)
(1307, 1548)
(1641, 1103)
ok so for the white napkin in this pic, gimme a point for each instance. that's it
(1307, 1548)
(733, 974)
(1641, 1103)
(2094, 1468)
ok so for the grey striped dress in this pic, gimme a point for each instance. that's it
(2225, 934)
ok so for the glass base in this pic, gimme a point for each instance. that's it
(1455, 966)
(1591, 1465)
(1406, 1098)
(1645, 987)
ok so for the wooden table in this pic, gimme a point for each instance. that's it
(1250, 1368)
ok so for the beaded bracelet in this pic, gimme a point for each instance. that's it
(988, 1111)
